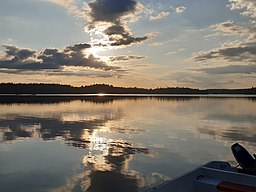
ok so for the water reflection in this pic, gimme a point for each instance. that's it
(124, 143)
(110, 172)
(238, 118)
(69, 125)
(107, 170)
(106, 165)
(14, 99)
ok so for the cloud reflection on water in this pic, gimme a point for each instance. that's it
(231, 120)
(120, 135)
(106, 166)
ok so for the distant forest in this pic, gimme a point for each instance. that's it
(35, 88)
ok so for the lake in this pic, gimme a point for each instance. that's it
(116, 143)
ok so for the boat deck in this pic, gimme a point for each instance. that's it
(212, 177)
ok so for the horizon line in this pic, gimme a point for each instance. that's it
(135, 87)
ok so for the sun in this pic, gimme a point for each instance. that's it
(96, 52)
(99, 42)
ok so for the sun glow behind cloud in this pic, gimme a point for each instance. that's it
(99, 43)
(137, 42)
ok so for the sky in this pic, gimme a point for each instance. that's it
(131, 43)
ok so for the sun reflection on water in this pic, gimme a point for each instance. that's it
(98, 148)
(101, 94)
(116, 144)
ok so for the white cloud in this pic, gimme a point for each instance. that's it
(159, 15)
(230, 28)
(180, 9)
(213, 77)
(248, 7)
(242, 50)
(175, 52)
(171, 53)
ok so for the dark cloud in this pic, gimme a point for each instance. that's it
(22, 58)
(239, 53)
(50, 128)
(125, 58)
(121, 36)
(75, 55)
(116, 30)
(18, 54)
(243, 52)
(126, 40)
(247, 69)
(110, 10)
(113, 16)
(78, 47)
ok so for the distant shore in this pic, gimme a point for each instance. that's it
(33, 89)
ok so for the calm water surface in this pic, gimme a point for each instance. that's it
(116, 143)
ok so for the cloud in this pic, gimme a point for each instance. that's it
(175, 52)
(18, 54)
(156, 44)
(104, 16)
(200, 78)
(171, 53)
(248, 7)
(126, 58)
(236, 51)
(31, 60)
(119, 35)
(159, 15)
(230, 28)
(78, 47)
(230, 69)
(110, 10)
(110, 18)
(243, 52)
(180, 9)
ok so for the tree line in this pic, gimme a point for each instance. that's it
(42, 88)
